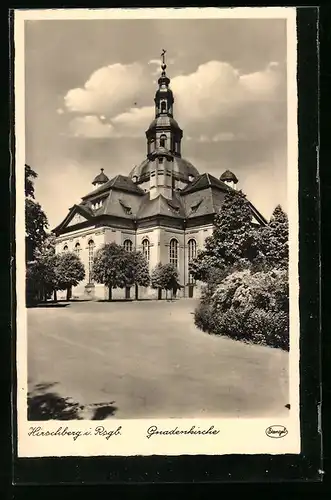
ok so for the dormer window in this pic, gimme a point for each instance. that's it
(195, 207)
(97, 204)
(127, 209)
(174, 208)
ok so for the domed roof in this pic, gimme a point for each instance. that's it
(182, 169)
(100, 179)
(164, 121)
(164, 92)
(228, 176)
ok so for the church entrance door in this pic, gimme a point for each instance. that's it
(127, 292)
(190, 291)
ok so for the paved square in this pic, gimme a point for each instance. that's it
(147, 359)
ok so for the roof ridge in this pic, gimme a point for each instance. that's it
(113, 180)
(107, 201)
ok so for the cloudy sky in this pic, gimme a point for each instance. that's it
(89, 99)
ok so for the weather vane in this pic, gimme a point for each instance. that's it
(163, 55)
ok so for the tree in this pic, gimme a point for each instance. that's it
(274, 240)
(70, 271)
(165, 277)
(36, 222)
(111, 267)
(156, 279)
(138, 272)
(30, 175)
(41, 275)
(234, 239)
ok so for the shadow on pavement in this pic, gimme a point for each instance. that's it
(48, 304)
(44, 404)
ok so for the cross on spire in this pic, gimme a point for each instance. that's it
(163, 53)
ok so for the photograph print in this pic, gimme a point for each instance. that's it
(157, 285)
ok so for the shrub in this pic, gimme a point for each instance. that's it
(204, 317)
(248, 306)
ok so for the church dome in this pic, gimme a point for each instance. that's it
(100, 179)
(228, 176)
(182, 170)
(164, 121)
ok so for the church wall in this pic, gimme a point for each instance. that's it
(199, 234)
(153, 235)
(83, 237)
(167, 235)
(159, 238)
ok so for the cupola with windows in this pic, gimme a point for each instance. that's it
(100, 179)
(164, 169)
(229, 179)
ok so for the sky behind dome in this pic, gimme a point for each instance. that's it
(89, 90)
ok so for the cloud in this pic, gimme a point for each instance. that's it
(131, 124)
(108, 91)
(134, 122)
(217, 98)
(155, 61)
(214, 103)
(90, 126)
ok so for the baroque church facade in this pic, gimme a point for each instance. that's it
(164, 208)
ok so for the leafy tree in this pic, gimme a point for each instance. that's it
(36, 222)
(29, 186)
(165, 277)
(274, 240)
(111, 267)
(234, 239)
(41, 275)
(138, 272)
(70, 271)
(156, 279)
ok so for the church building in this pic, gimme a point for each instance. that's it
(164, 208)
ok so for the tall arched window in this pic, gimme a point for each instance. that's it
(127, 245)
(163, 141)
(173, 252)
(192, 253)
(145, 244)
(65, 248)
(163, 107)
(192, 249)
(77, 249)
(91, 246)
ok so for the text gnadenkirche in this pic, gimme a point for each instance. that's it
(193, 431)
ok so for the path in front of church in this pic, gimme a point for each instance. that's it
(147, 359)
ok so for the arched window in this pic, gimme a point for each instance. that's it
(146, 248)
(77, 249)
(192, 253)
(127, 245)
(65, 248)
(163, 141)
(91, 246)
(192, 249)
(163, 107)
(173, 252)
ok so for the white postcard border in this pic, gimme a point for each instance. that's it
(130, 437)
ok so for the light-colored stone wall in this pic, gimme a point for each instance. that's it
(159, 250)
